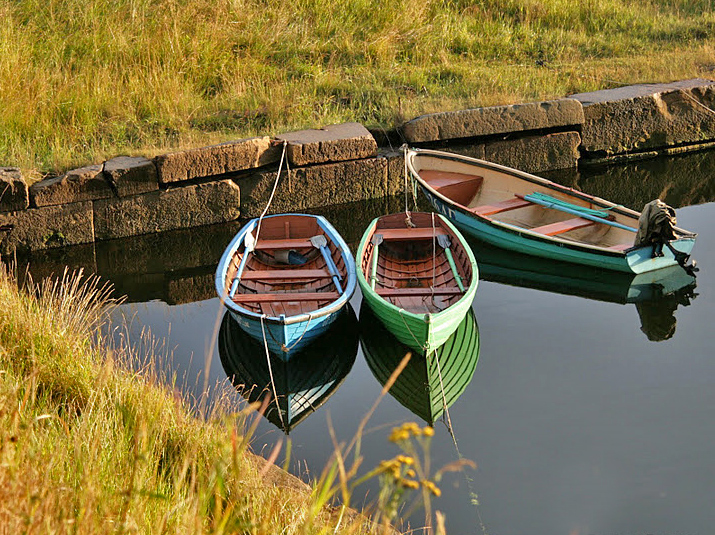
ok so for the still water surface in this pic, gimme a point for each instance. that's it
(591, 408)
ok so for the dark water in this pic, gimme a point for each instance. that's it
(592, 405)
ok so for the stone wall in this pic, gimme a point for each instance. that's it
(130, 196)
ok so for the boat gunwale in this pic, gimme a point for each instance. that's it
(332, 307)
(514, 229)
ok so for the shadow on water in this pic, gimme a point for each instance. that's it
(682, 180)
(430, 384)
(303, 383)
(656, 294)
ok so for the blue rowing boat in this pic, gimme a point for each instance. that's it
(528, 214)
(285, 278)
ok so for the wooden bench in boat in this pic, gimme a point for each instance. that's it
(459, 187)
(291, 243)
(409, 233)
(285, 297)
(560, 227)
(503, 206)
(272, 274)
(416, 292)
(440, 179)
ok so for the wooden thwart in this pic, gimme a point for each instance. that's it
(409, 233)
(563, 226)
(412, 292)
(293, 243)
(286, 274)
(285, 297)
(440, 179)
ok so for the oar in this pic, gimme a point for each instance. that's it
(445, 243)
(376, 241)
(577, 212)
(250, 244)
(319, 242)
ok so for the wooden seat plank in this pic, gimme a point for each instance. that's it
(503, 206)
(271, 274)
(285, 297)
(560, 227)
(292, 243)
(409, 233)
(412, 292)
(440, 179)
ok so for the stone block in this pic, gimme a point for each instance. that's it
(217, 159)
(13, 190)
(647, 116)
(83, 184)
(174, 208)
(481, 122)
(129, 175)
(537, 153)
(335, 143)
(47, 227)
(395, 172)
(320, 185)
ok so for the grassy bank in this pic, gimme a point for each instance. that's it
(88, 447)
(85, 80)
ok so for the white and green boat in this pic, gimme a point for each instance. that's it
(528, 214)
(418, 275)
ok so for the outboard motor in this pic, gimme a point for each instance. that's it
(656, 226)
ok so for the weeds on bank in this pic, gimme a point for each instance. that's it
(89, 446)
(85, 80)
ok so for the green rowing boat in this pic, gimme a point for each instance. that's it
(418, 275)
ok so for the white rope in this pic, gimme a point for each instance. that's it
(408, 216)
(286, 349)
(424, 347)
(450, 430)
(275, 186)
(270, 372)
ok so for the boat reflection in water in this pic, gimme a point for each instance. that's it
(301, 384)
(656, 294)
(429, 384)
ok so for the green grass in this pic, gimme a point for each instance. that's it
(85, 80)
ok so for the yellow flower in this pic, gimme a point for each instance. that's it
(429, 485)
(428, 431)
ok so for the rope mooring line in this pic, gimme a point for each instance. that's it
(275, 186)
(447, 420)
(270, 372)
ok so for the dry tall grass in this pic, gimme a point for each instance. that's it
(84, 80)
(87, 446)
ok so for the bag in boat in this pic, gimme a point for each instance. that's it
(656, 226)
